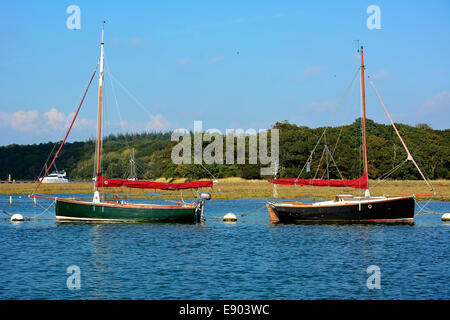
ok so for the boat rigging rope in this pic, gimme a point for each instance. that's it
(337, 168)
(48, 158)
(329, 121)
(141, 105)
(61, 136)
(122, 123)
(387, 174)
(320, 162)
(208, 171)
(401, 139)
(131, 95)
(68, 131)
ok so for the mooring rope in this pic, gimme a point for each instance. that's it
(8, 214)
(246, 214)
(31, 218)
(422, 208)
(38, 215)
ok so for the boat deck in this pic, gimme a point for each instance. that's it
(340, 201)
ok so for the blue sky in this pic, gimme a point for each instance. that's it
(231, 64)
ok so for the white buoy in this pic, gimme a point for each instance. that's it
(230, 217)
(10, 201)
(17, 217)
(446, 217)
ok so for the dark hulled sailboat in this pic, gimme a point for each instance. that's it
(347, 208)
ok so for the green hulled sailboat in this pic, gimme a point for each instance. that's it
(99, 209)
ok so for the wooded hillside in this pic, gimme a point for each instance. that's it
(430, 148)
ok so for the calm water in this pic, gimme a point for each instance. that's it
(249, 259)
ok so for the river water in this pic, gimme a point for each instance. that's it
(249, 259)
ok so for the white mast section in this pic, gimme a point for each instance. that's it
(96, 198)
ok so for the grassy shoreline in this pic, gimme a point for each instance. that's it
(235, 188)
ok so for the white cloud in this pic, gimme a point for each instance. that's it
(55, 118)
(157, 123)
(310, 72)
(20, 120)
(185, 62)
(49, 121)
(318, 106)
(115, 41)
(215, 60)
(123, 124)
(58, 120)
(135, 42)
(381, 74)
(53, 124)
(435, 111)
(438, 103)
(81, 123)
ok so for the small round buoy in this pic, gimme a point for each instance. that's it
(446, 217)
(230, 217)
(17, 217)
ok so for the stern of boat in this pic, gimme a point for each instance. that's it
(200, 206)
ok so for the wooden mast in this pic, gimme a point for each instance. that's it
(99, 121)
(363, 100)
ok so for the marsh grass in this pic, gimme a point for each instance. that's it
(235, 188)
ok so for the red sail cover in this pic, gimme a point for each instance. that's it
(111, 183)
(360, 183)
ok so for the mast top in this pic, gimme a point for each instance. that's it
(103, 29)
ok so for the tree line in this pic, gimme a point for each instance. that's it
(337, 154)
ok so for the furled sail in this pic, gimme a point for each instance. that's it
(114, 183)
(360, 183)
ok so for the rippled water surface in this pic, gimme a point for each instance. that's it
(250, 259)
